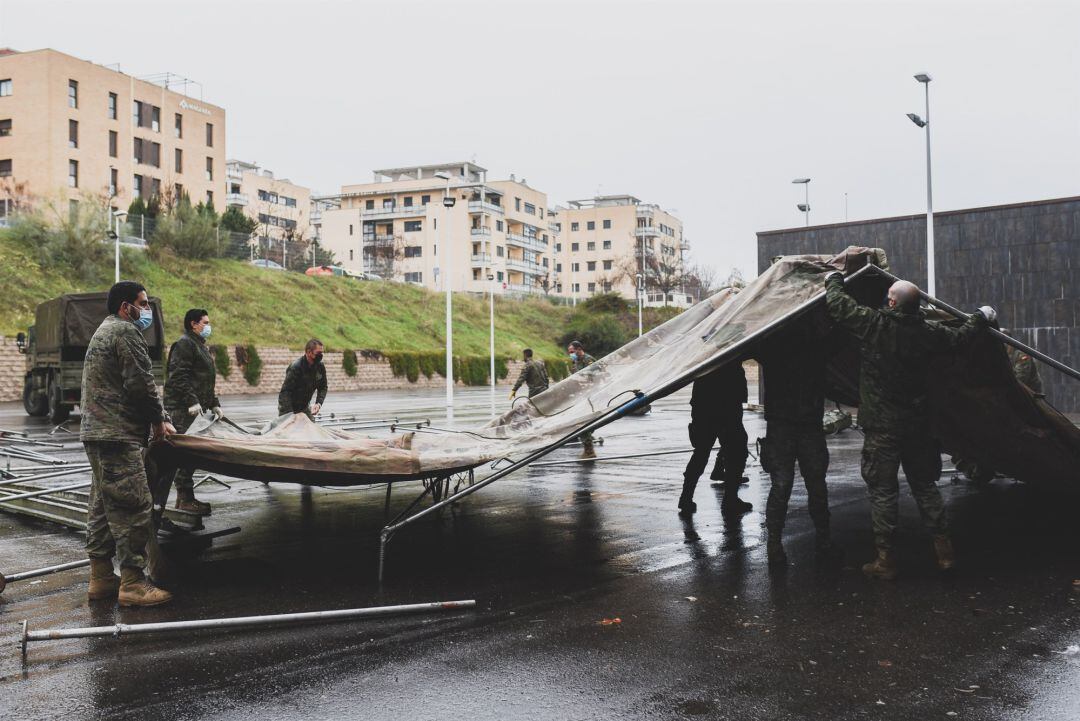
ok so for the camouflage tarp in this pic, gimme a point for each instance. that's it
(980, 410)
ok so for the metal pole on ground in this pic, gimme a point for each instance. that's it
(11, 578)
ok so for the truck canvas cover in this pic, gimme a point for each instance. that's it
(68, 323)
(979, 410)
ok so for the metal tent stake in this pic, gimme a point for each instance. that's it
(281, 619)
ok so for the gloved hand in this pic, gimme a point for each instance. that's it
(834, 274)
(989, 313)
(512, 394)
(216, 410)
(315, 408)
(195, 410)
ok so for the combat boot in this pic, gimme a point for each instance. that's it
(186, 501)
(588, 451)
(825, 548)
(775, 549)
(883, 567)
(732, 505)
(943, 547)
(136, 590)
(687, 507)
(104, 583)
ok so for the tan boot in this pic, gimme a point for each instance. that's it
(136, 590)
(104, 583)
(946, 559)
(186, 501)
(589, 451)
(883, 567)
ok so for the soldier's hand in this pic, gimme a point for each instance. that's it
(195, 410)
(989, 313)
(216, 410)
(512, 394)
(315, 408)
(834, 274)
(162, 430)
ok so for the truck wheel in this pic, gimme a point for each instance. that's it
(58, 412)
(36, 404)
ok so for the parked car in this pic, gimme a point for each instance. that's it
(268, 264)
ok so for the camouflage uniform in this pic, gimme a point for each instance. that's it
(576, 365)
(534, 375)
(794, 373)
(1026, 371)
(301, 380)
(119, 402)
(893, 404)
(716, 412)
(190, 381)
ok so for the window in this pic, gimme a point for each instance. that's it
(209, 135)
(388, 203)
(209, 168)
(592, 287)
(73, 133)
(417, 277)
(5, 88)
(499, 225)
(499, 276)
(517, 203)
(558, 247)
(154, 153)
(607, 265)
(558, 267)
(575, 247)
(73, 173)
(607, 225)
(545, 262)
(209, 196)
(575, 267)
(5, 128)
(178, 192)
(155, 188)
(114, 180)
(591, 245)
(530, 209)
(112, 106)
(591, 265)
(73, 94)
(137, 186)
(408, 201)
(350, 228)
(178, 125)
(607, 245)
(137, 154)
(369, 205)
(425, 199)
(574, 226)
(413, 251)
(178, 160)
(591, 225)
(413, 226)
(5, 165)
(576, 287)
(114, 140)
(350, 253)
(499, 251)
(155, 118)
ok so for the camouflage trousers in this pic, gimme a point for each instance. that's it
(182, 420)
(785, 446)
(919, 454)
(118, 518)
(731, 458)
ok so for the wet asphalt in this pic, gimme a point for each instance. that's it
(553, 556)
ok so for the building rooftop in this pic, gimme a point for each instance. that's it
(604, 200)
(462, 169)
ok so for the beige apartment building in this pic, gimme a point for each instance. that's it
(280, 207)
(495, 235)
(71, 128)
(600, 244)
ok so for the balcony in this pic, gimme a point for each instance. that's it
(400, 211)
(476, 206)
(239, 199)
(522, 288)
(647, 232)
(554, 227)
(479, 260)
(646, 211)
(380, 238)
(524, 266)
(480, 231)
(524, 241)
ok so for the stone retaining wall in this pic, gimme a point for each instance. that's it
(12, 370)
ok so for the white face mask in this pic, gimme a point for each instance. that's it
(205, 332)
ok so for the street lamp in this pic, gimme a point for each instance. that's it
(448, 202)
(491, 331)
(640, 290)
(924, 123)
(117, 216)
(804, 207)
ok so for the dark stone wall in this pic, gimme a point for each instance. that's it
(1023, 259)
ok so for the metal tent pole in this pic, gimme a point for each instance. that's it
(5, 580)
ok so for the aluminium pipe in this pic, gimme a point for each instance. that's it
(280, 619)
(41, 476)
(5, 580)
(43, 492)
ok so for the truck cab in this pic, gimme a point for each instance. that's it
(55, 347)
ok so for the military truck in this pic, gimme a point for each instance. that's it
(55, 347)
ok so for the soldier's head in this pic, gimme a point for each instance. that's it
(527, 353)
(575, 348)
(313, 351)
(197, 320)
(127, 299)
(904, 296)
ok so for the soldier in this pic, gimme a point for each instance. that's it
(306, 375)
(189, 390)
(896, 343)
(120, 409)
(1024, 368)
(716, 410)
(579, 360)
(794, 370)
(533, 374)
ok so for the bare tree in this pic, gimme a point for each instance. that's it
(701, 281)
(383, 254)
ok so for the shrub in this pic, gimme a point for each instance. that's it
(501, 368)
(221, 360)
(472, 370)
(68, 236)
(185, 232)
(405, 364)
(606, 303)
(600, 333)
(348, 362)
(557, 369)
(253, 367)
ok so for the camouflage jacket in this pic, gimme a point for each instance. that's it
(534, 375)
(580, 363)
(793, 369)
(119, 398)
(896, 350)
(191, 375)
(301, 380)
(1025, 370)
(716, 394)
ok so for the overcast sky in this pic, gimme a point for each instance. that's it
(709, 109)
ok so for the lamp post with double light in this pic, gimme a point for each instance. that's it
(804, 206)
(924, 123)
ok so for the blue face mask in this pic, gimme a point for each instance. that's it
(573, 356)
(146, 317)
(205, 332)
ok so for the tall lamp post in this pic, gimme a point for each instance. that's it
(448, 202)
(924, 123)
(805, 206)
(491, 331)
(118, 215)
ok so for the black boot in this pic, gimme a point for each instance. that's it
(775, 548)
(687, 507)
(732, 505)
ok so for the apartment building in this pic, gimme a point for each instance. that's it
(600, 245)
(280, 207)
(487, 235)
(70, 128)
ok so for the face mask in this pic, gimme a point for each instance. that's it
(573, 356)
(318, 357)
(205, 332)
(146, 317)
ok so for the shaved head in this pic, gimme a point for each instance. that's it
(904, 295)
